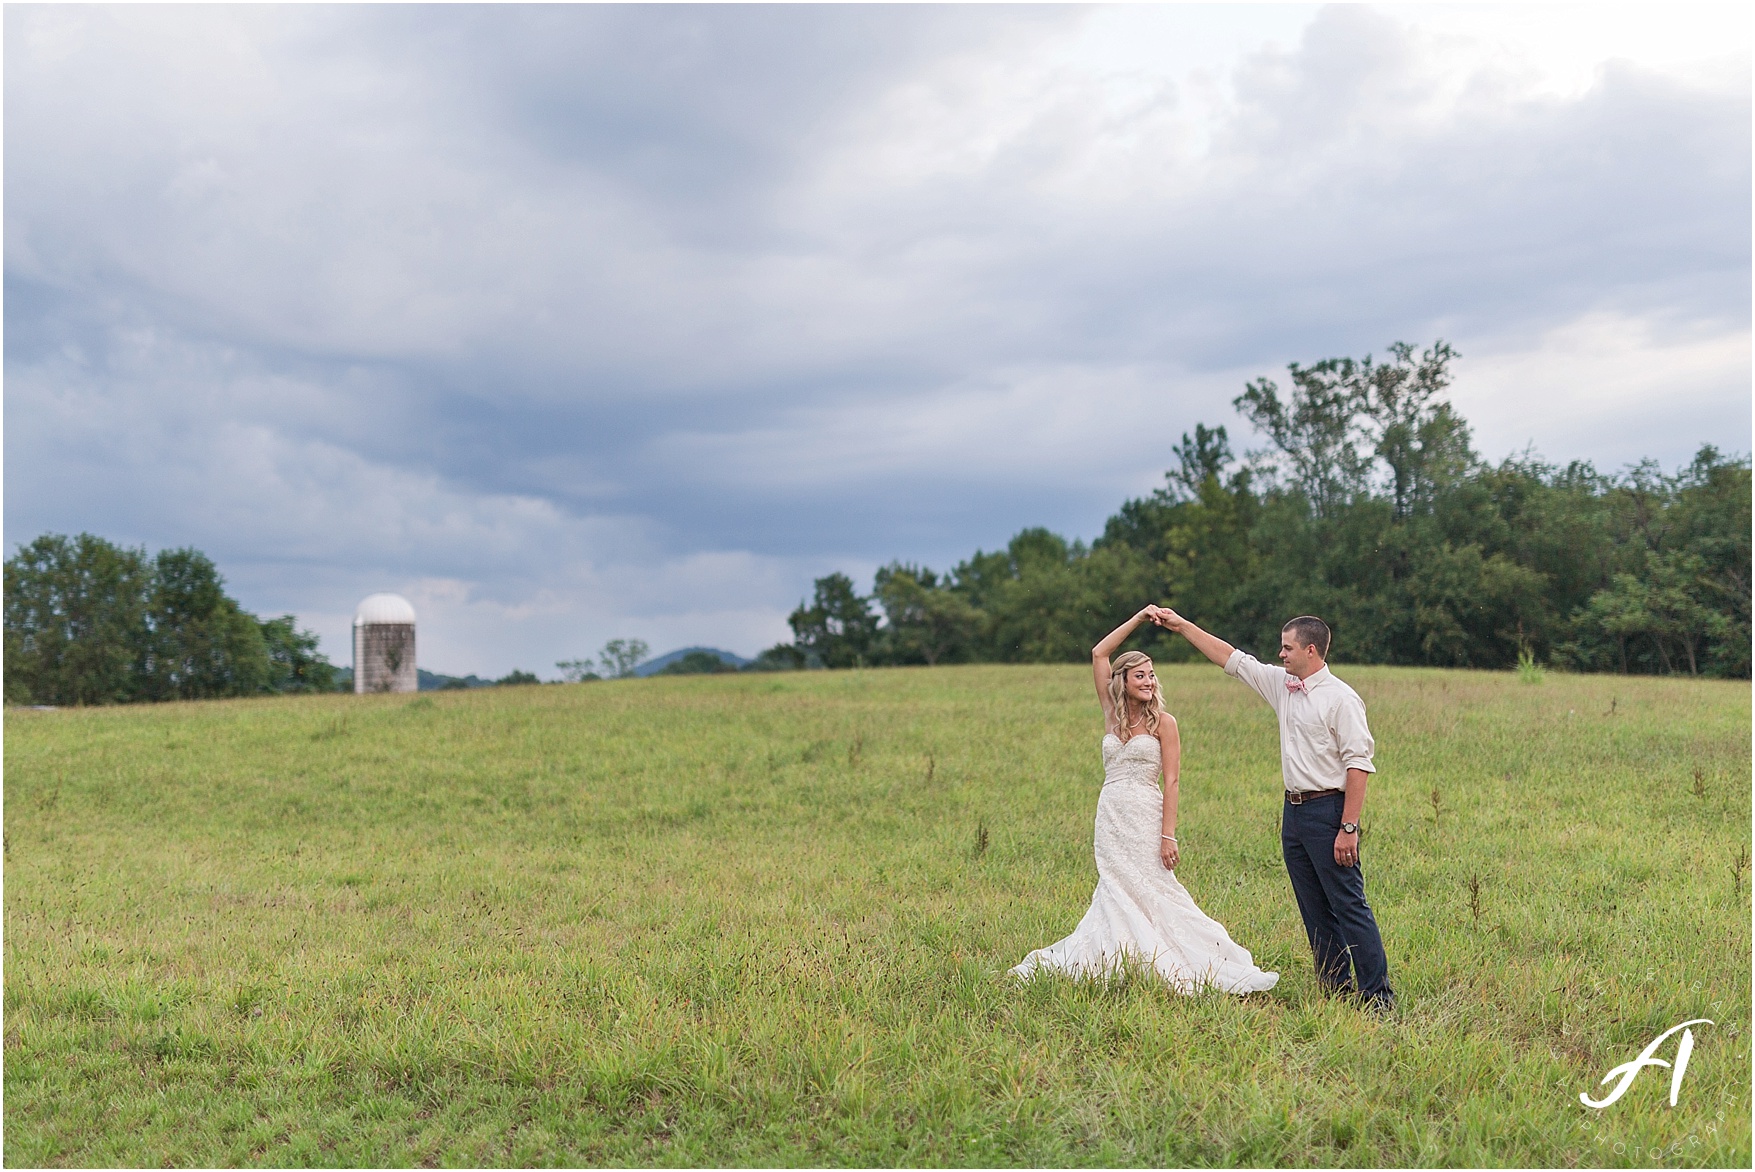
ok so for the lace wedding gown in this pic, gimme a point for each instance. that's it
(1140, 913)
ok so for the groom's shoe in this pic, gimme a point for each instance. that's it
(1383, 1005)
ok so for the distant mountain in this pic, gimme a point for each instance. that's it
(654, 666)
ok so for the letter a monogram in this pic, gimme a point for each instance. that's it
(1628, 1071)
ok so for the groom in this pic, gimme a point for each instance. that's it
(1325, 758)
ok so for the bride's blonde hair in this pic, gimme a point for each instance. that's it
(1123, 705)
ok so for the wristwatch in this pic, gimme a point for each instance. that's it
(1349, 828)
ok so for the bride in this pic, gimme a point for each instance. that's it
(1140, 914)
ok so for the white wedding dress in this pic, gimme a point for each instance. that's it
(1140, 913)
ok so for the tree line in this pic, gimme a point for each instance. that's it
(1368, 507)
(90, 622)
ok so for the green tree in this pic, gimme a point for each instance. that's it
(925, 620)
(1713, 505)
(1422, 440)
(780, 657)
(1663, 612)
(838, 628)
(1047, 600)
(1200, 461)
(75, 621)
(1343, 414)
(198, 642)
(1319, 431)
(1670, 555)
(620, 657)
(294, 663)
(1467, 609)
(576, 671)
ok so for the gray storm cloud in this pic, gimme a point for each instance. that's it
(572, 322)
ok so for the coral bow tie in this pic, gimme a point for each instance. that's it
(1294, 684)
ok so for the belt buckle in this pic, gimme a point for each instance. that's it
(1296, 798)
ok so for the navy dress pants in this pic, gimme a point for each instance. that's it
(1343, 932)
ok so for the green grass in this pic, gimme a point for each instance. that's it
(753, 920)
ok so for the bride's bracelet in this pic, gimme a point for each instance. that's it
(1168, 837)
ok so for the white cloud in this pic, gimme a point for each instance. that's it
(1607, 378)
(1005, 427)
(1560, 49)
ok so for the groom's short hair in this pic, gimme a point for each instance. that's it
(1310, 631)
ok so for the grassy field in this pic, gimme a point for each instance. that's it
(763, 919)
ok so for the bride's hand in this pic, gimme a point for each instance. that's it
(1168, 853)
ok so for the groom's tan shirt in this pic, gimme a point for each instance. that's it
(1322, 726)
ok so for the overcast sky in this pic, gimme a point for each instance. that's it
(570, 323)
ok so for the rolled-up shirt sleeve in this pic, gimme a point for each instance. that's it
(1269, 682)
(1353, 735)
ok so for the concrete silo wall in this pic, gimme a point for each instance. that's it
(383, 658)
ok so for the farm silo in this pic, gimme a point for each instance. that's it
(383, 645)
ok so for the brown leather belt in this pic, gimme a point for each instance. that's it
(1300, 797)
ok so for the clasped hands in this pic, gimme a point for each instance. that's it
(1163, 616)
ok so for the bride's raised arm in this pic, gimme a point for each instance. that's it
(1100, 660)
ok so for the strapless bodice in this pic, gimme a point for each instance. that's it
(1138, 759)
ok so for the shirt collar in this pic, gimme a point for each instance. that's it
(1318, 677)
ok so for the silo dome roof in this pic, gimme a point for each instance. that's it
(383, 608)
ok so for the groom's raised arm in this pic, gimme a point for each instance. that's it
(1267, 682)
(1211, 646)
